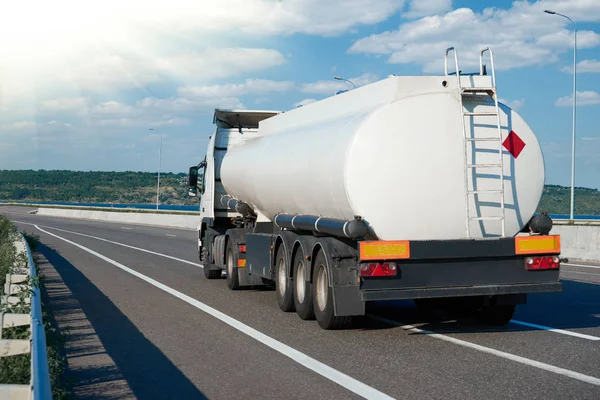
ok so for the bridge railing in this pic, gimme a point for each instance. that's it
(18, 283)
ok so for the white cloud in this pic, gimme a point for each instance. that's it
(250, 86)
(112, 108)
(420, 8)
(304, 102)
(255, 17)
(19, 126)
(331, 86)
(219, 63)
(186, 105)
(585, 67)
(514, 104)
(520, 36)
(105, 72)
(112, 46)
(142, 122)
(70, 105)
(586, 98)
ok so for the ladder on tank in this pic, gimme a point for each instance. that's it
(467, 140)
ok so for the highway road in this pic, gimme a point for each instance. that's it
(143, 322)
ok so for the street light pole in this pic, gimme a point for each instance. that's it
(574, 107)
(159, 162)
(339, 78)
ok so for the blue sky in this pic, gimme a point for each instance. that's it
(81, 84)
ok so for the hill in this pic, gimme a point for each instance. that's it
(94, 187)
(140, 188)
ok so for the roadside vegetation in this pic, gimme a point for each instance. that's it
(17, 369)
(94, 187)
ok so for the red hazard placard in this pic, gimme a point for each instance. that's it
(514, 144)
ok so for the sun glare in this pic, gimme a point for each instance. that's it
(40, 29)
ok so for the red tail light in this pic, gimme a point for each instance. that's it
(242, 248)
(378, 269)
(540, 263)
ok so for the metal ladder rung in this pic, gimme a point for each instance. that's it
(486, 218)
(498, 191)
(482, 139)
(483, 165)
(478, 89)
(480, 114)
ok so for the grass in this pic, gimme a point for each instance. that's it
(17, 369)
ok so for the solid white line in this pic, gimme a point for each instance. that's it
(508, 356)
(168, 234)
(324, 370)
(119, 244)
(582, 266)
(124, 227)
(556, 330)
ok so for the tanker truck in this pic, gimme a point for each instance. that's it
(412, 187)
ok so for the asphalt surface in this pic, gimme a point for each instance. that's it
(142, 325)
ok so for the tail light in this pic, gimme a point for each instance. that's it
(242, 248)
(541, 263)
(378, 269)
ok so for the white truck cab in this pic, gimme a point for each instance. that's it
(232, 126)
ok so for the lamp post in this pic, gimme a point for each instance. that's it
(159, 162)
(339, 78)
(574, 106)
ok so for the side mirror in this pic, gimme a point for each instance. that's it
(193, 177)
(193, 192)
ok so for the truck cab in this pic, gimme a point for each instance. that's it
(232, 127)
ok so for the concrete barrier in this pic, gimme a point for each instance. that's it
(190, 222)
(579, 242)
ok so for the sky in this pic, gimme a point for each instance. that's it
(96, 85)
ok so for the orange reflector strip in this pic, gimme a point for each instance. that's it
(241, 263)
(384, 250)
(537, 244)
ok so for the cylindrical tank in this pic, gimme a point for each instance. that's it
(392, 152)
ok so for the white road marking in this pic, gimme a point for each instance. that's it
(324, 370)
(582, 266)
(556, 330)
(117, 243)
(488, 350)
(168, 234)
(124, 227)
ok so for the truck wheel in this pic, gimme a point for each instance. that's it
(233, 280)
(302, 289)
(212, 273)
(495, 315)
(284, 287)
(323, 297)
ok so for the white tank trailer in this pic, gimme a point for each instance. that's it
(419, 187)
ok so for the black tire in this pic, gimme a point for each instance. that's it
(284, 288)
(322, 295)
(231, 259)
(212, 273)
(497, 315)
(302, 289)
(208, 273)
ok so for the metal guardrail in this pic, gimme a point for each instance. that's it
(39, 386)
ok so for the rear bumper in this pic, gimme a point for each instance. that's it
(456, 268)
(483, 290)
